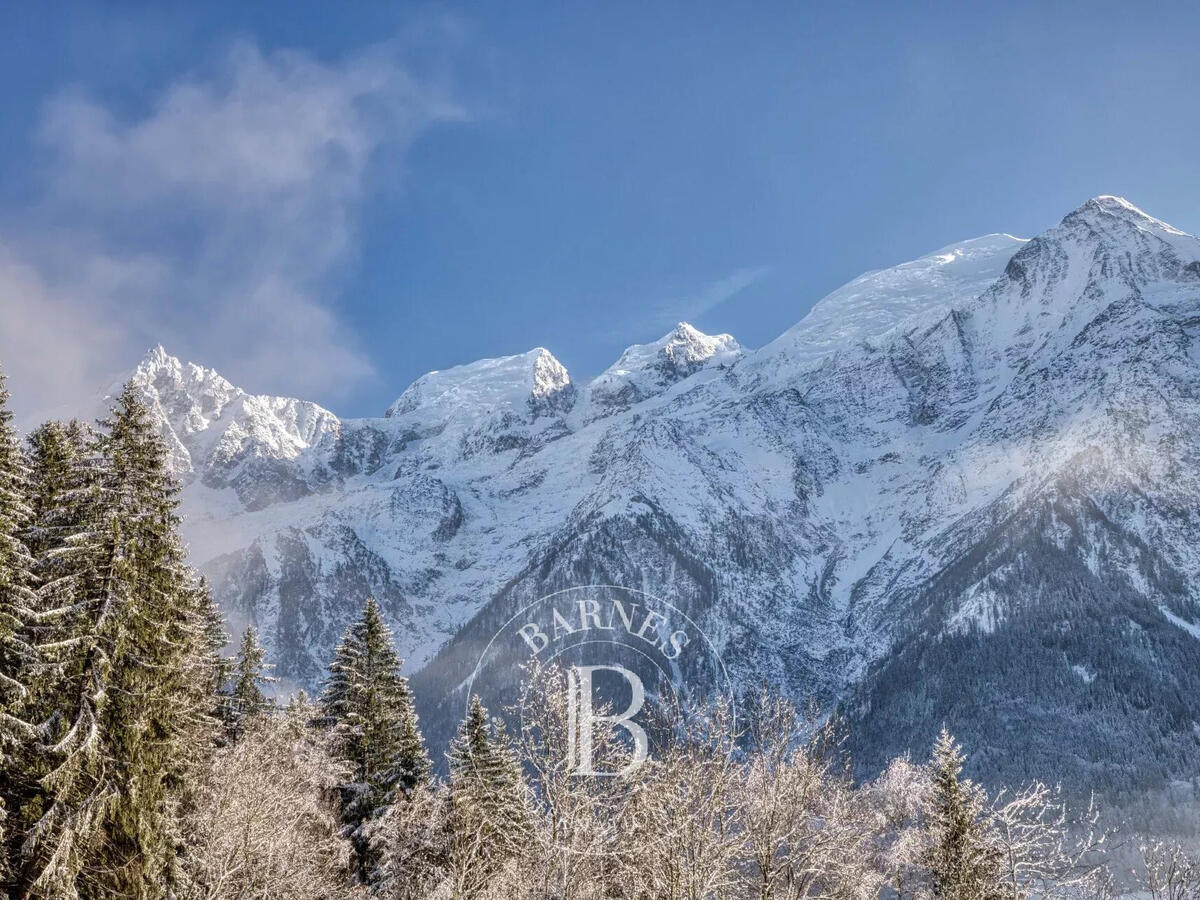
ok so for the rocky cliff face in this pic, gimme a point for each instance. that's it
(962, 489)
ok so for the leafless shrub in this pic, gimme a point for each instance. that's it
(264, 824)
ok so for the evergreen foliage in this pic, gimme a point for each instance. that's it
(17, 611)
(246, 701)
(962, 860)
(487, 789)
(369, 706)
(127, 650)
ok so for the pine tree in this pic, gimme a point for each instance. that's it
(204, 671)
(370, 708)
(213, 640)
(132, 642)
(62, 817)
(487, 791)
(246, 699)
(55, 451)
(17, 610)
(961, 858)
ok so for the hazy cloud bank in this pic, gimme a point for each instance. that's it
(218, 223)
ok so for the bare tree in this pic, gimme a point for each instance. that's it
(412, 840)
(803, 829)
(1171, 872)
(264, 824)
(774, 817)
(1044, 852)
(576, 835)
(682, 824)
(899, 799)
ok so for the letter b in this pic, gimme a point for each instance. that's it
(582, 718)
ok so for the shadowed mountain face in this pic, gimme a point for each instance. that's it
(963, 489)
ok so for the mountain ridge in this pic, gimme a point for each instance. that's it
(827, 507)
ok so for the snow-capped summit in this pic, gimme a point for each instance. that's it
(679, 353)
(645, 370)
(1108, 205)
(1107, 251)
(1119, 225)
(191, 397)
(531, 383)
(227, 437)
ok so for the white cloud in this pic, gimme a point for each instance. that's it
(217, 222)
(53, 342)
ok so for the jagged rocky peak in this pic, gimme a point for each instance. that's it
(1106, 251)
(215, 431)
(686, 349)
(189, 396)
(527, 385)
(648, 369)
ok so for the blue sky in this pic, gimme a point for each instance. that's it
(326, 200)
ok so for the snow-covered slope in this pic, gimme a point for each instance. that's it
(984, 458)
(871, 306)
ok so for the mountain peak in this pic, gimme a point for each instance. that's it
(487, 385)
(166, 373)
(157, 358)
(877, 302)
(684, 329)
(645, 370)
(1113, 202)
(677, 353)
(687, 346)
(1109, 207)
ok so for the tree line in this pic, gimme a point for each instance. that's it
(136, 760)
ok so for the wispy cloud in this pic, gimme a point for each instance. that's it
(725, 289)
(662, 317)
(217, 223)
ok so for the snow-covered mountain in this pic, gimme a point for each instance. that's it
(962, 489)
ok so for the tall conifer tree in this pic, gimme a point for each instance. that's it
(17, 603)
(246, 699)
(133, 645)
(370, 708)
(961, 859)
(487, 790)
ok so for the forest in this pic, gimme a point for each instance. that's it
(139, 760)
